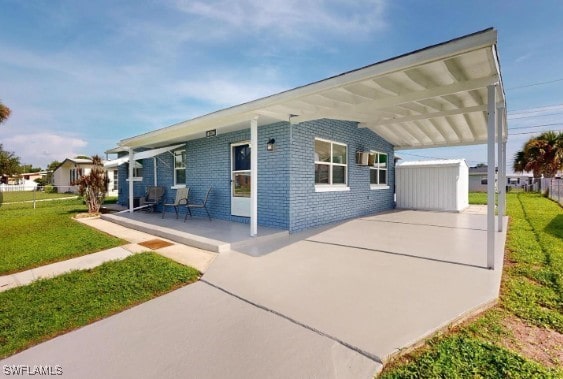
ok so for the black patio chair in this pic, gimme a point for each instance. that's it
(198, 204)
(180, 200)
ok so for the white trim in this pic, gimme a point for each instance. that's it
(178, 186)
(330, 164)
(331, 188)
(180, 168)
(378, 187)
(135, 179)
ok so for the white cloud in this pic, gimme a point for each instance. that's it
(295, 19)
(43, 148)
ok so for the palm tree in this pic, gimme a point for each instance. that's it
(541, 155)
(4, 113)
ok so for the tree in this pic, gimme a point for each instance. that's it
(4, 112)
(9, 162)
(51, 169)
(543, 155)
(93, 187)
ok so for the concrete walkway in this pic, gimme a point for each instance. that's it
(197, 331)
(189, 256)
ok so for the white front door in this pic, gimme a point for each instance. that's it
(240, 179)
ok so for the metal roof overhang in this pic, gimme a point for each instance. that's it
(433, 97)
(141, 155)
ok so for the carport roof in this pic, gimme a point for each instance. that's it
(436, 96)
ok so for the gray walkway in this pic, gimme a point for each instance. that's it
(197, 332)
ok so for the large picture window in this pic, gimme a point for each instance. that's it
(378, 169)
(331, 164)
(180, 167)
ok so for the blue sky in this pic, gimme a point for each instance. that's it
(81, 75)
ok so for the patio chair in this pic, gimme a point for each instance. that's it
(153, 197)
(180, 200)
(198, 204)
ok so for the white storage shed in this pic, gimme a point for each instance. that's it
(441, 185)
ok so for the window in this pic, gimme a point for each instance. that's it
(180, 167)
(115, 181)
(75, 174)
(484, 180)
(331, 164)
(378, 170)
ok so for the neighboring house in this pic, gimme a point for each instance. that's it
(68, 172)
(323, 152)
(71, 169)
(478, 179)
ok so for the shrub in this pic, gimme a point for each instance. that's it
(49, 188)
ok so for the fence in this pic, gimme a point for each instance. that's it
(555, 189)
(17, 195)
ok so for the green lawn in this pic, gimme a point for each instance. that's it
(478, 198)
(34, 237)
(531, 295)
(19, 196)
(47, 308)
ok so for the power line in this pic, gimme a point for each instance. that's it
(534, 110)
(536, 84)
(518, 134)
(536, 126)
(536, 115)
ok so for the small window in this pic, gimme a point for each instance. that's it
(378, 169)
(331, 164)
(484, 180)
(115, 181)
(179, 167)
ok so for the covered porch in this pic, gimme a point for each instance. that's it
(216, 236)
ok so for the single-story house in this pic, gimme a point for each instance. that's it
(71, 169)
(324, 152)
(478, 179)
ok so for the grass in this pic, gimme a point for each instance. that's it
(479, 198)
(47, 308)
(34, 237)
(531, 293)
(19, 196)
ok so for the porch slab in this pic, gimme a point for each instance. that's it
(379, 284)
(216, 235)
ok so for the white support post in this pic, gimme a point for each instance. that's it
(154, 171)
(501, 175)
(491, 121)
(254, 176)
(131, 183)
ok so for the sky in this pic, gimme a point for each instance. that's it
(81, 75)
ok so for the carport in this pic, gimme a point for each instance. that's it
(450, 94)
(378, 284)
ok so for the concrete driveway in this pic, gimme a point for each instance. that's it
(332, 304)
(378, 284)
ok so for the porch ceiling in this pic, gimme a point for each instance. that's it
(432, 97)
